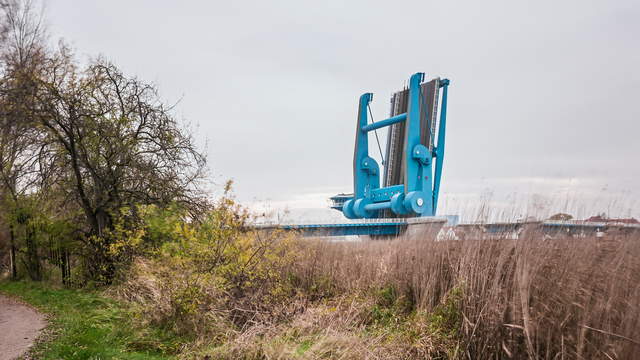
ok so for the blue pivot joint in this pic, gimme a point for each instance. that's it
(418, 195)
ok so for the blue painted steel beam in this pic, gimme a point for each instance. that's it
(390, 228)
(378, 206)
(386, 122)
(365, 169)
(418, 198)
(385, 193)
(571, 225)
(439, 150)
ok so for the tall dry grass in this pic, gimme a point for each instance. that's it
(407, 298)
(528, 298)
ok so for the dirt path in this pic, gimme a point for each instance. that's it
(19, 326)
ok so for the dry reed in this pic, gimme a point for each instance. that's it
(569, 298)
(416, 298)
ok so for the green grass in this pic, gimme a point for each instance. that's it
(304, 346)
(86, 325)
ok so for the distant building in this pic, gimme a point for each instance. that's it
(602, 219)
(561, 217)
(337, 201)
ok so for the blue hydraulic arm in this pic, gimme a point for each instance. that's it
(439, 150)
(417, 178)
(366, 172)
(383, 123)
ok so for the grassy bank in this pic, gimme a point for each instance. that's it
(83, 324)
(407, 299)
(403, 299)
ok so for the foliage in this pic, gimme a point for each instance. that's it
(117, 147)
(86, 325)
(463, 299)
(444, 324)
(38, 236)
(89, 141)
(211, 276)
(21, 53)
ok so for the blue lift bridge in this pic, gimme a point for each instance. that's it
(413, 167)
(406, 191)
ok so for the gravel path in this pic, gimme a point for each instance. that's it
(19, 327)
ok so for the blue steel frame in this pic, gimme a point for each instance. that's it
(418, 196)
(390, 228)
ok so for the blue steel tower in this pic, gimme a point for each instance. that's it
(414, 160)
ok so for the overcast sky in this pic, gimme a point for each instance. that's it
(544, 104)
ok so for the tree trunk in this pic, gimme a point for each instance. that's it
(12, 254)
(65, 267)
(33, 261)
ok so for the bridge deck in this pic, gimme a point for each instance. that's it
(388, 227)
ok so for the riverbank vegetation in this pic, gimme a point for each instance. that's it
(244, 295)
(83, 324)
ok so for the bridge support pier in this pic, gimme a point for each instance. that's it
(424, 228)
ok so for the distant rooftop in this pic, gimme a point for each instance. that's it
(599, 218)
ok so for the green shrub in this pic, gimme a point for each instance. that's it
(207, 278)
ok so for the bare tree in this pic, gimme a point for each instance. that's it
(117, 145)
(90, 142)
(22, 55)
